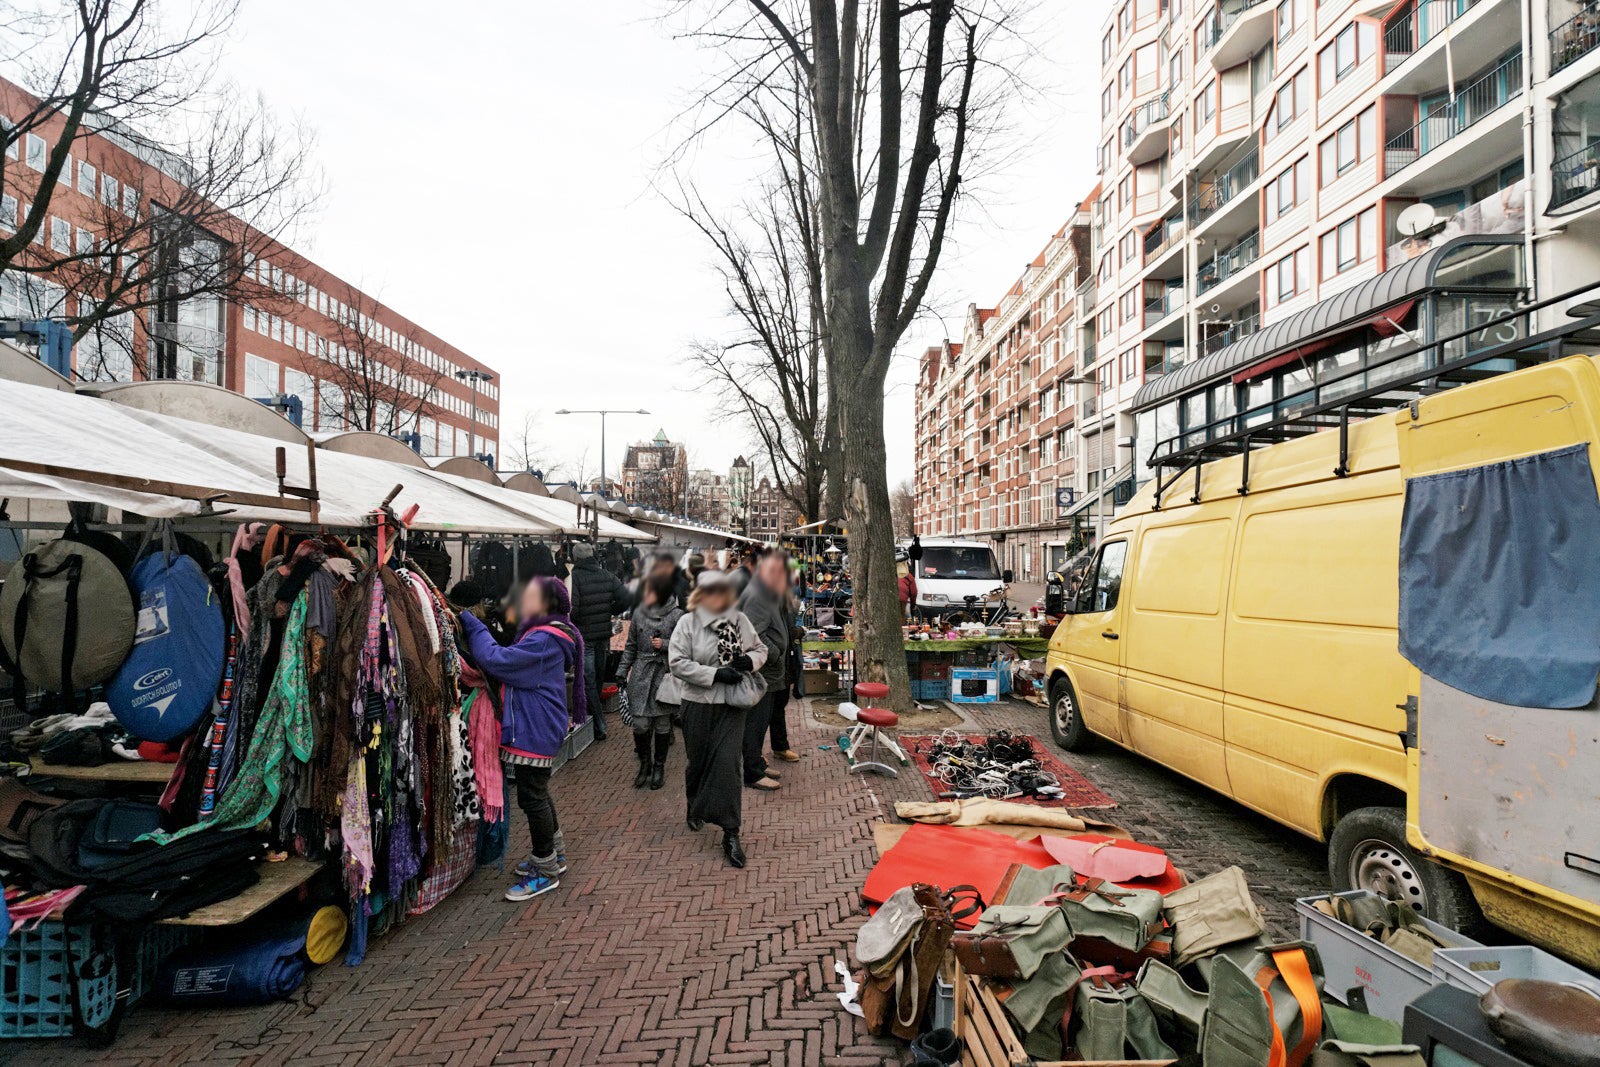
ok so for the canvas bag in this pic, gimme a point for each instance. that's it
(1206, 915)
(1127, 918)
(1113, 1022)
(1266, 1012)
(884, 937)
(1011, 941)
(169, 679)
(66, 619)
(1180, 1010)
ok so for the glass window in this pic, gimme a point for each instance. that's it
(950, 561)
(260, 376)
(7, 134)
(86, 179)
(8, 213)
(60, 235)
(1106, 589)
(35, 151)
(109, 190)
(130, 201)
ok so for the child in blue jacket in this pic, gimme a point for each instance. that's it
(538, 706)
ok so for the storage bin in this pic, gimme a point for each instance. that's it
(1351, 959)
(932, 689)
(944, 1004)
(1477, 969)
(576, 741)
(37, 966)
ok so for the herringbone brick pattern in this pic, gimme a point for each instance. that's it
(655, 952)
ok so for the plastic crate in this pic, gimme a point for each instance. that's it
(1477, 969)
(37, 968)
(576, 741)
(944, 1004)
(1351, 959)
(931, 689)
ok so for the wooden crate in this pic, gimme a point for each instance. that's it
(991, 1042)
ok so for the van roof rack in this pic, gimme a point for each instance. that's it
(1222, 438)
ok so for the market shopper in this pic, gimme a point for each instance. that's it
(535, 715)
(765, 603)
(597, 596)
(644, 663)
(710, 648)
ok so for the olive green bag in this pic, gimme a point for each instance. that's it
(1180, 1010)
(1011, 941)
(1114, 1022)
(1217, 910)
(1128, 918)
(1273, 998)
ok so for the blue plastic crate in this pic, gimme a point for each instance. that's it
(37, 968)
(932, 689)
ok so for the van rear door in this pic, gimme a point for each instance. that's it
(1499, 612)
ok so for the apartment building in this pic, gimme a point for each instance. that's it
(655, 474)
(1296, 191)
(996, 444)
(285, 328)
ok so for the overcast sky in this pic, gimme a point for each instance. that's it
(490, 173)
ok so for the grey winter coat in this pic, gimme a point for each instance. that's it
(765, 610)
(694, 654)
(644, 665)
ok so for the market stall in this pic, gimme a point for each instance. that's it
(964, 668)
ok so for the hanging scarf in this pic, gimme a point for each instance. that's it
(484, 731)
(283, 731)
(219, 729)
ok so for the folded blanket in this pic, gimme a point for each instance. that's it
(255, 972)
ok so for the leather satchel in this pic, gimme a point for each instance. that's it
(896, 1000)
(884, 938)
(1011, 941)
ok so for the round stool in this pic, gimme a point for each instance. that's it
(869, 691)
(876, 719)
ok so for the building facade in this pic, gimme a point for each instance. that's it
(770, 511)
(655, 474)
(281, 326)
(710, 498)
(1275, 175)
(997, 450)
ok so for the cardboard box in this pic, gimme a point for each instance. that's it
(970, 686)
(819, 683)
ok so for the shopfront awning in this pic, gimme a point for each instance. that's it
(1374, 302)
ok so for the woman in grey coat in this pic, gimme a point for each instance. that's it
(711, 649)
(644, 664)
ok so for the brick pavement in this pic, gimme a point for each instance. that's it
(653, 951)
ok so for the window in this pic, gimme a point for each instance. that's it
(1105, 47)
(8, 213)
(86, 179)
(1175, 70)
(1355, 141)
(249, 318)
(1103, 593)
(1105, 102)
(36, 152)
(130, 201)
(1291, 276)
(1354, 46)
(85, 242)
(109, 191)
(1125, 78)
(60, 235)
(1205, 107)
(1125, 19)
(7, 133)
(260, 376)
(1288, 190)
(1290, 103)
(1353, 241)
(1290, 14)
(1129, 365)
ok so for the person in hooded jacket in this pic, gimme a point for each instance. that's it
(712, 647)
(644, 664)
(535, 715)
(597, 596)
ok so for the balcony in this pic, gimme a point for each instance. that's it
(1430, 39)
(1163, 247)
(1237, 332)
(1216, 194)
(1574, 39)
(1575, 176)
(1228, 264)
(1144, 135)
(1243, 28)
(1159, 307)
(1445, 123)
(1416, 24)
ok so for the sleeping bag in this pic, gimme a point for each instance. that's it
(256, 971)
(170, 678)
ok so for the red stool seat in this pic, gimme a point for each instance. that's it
(877, 716)
(872, 690)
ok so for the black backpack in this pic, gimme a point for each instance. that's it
(491, 567)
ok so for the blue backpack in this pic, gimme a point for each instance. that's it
(170, 678)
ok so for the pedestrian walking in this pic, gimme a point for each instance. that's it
(539, 673)
(765, 603)
(711, 648)
(597, 596)
(644, 664)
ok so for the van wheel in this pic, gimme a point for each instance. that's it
(1066, 717)
(1368, 850)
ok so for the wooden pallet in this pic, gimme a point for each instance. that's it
(991, 1042)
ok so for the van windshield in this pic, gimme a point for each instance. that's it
(958, 563)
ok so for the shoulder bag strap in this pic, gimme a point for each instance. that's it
(964, 901)
(1295, 969)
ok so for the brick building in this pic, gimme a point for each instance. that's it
(771, 512)
(285, 327)
(655, 474)
(996, 442)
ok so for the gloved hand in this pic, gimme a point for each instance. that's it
(729, 676)
(741, 662)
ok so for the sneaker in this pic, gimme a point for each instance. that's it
(531, 887)
(765, 784)
(527, 867)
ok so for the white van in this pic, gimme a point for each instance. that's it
(950, 572)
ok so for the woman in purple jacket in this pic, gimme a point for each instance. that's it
(534, 673)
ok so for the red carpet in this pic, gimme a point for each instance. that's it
(1079, 791)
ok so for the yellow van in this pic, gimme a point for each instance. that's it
(1244, 631)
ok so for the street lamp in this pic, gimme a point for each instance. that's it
(472, 378)
(602, 412)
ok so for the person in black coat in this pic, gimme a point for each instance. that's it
(597, 596)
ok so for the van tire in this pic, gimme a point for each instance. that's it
(1368, 850)
(1072, 735)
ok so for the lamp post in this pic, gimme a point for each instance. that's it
(602, 412)
(472, 378)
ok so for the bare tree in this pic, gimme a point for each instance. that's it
(153, 234)
(892, 91)
(374, 377)
(902, 504)
(525, 451)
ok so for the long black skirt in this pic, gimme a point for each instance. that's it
(713, 736)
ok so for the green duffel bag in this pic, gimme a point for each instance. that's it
(67, 619)
(1114, 1022)
(1266, 1011)
(1011, 941)
(1217, 910)
(1180, 1010)
(1094, 907)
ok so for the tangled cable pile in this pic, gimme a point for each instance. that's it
(1001, 766)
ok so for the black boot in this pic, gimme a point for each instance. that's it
(731, 849)
(641, 746)
(658, 773)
